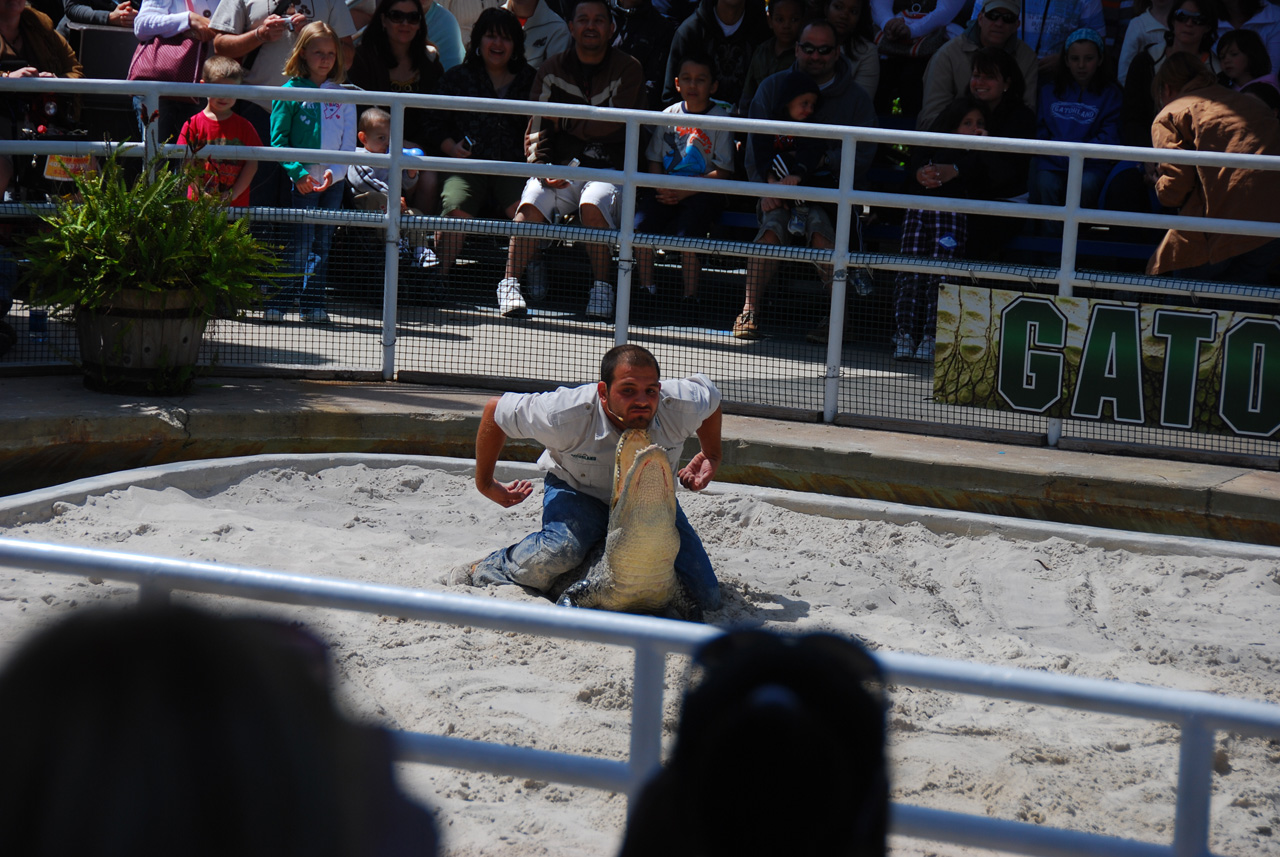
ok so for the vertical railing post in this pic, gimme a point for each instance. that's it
(391, 224)
(839, 278)
(646, 713)
(1067, 263)
(626, 232)
(151, 137)
(1195, 785)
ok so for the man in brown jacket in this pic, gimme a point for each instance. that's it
(1200, 115)
(593, 73)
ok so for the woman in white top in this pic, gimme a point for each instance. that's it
(169, 18)
(1144, 33)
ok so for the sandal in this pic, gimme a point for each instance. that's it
(745, 326)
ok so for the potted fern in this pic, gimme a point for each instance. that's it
(142, 267)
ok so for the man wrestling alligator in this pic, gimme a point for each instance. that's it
(580, 428)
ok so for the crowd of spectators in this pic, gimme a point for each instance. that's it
(1065, 70)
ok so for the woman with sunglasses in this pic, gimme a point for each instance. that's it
(852, 20)
(1192, 29)
(394, 56)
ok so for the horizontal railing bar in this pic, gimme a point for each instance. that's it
(451, 752)
(217, 579)
(623, 629)
(352, 95)
(1019, 837)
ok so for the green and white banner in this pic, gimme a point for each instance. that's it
(1138, 364)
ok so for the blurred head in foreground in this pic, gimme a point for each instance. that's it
(168, 731)
(780, 750)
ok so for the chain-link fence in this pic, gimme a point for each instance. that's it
(680, 297)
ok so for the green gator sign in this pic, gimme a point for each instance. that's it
(1140, 364)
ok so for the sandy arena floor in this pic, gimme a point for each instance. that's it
(1175, 621)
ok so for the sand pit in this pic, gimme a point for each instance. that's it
(1198, 623)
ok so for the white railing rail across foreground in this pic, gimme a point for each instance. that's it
(1198, 715)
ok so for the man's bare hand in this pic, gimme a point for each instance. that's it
(507, 496)
(698, 473)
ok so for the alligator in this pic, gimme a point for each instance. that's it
(633, 568)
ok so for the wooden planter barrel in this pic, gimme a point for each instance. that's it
(144, 343)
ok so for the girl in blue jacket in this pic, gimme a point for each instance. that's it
(1081, 105)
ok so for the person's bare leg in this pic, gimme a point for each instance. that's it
(425, 196)
(644, 267)
(690, 271)
(824, 270)
(599, 254)
(759, 273)
(449, 244)
(520, 250)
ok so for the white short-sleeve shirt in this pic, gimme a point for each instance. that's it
(580, 440)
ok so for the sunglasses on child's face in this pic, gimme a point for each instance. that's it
(1001, 15)
(1196, 20)
(395, 16)
(820, 50)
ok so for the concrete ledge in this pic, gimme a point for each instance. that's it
(53, 431)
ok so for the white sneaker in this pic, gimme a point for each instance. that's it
(903, 347)
(924, 354)
(273, 316)
(314, 316)
(510, 302)
(600, 303)
(425, 257)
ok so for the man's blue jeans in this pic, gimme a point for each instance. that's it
(572, 523)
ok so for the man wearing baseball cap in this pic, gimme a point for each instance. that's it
(948, 73)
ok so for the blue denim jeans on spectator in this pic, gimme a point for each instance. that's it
(572, 523)
(304, 239)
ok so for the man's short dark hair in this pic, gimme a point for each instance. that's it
(573, 7)
(626, 355)
(824, 24)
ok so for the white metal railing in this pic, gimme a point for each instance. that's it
(845, 196)
(1198, 715)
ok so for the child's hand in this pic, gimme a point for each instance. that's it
(461, 149)
(307, 184)
(791, 180)
(404, 206)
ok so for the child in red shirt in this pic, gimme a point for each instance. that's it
(217, 125)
